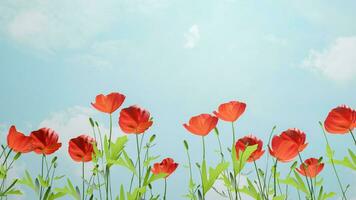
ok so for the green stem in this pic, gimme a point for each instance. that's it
(203, 148)
(42, 162)
(332, 163)
(259, 180)
(110, 133)
(220, 146)
(3, 151)
(267, 163)
(83, 186)
(233, 133)
(202, 182)
(275, 181)
(7, 156)
(165, 189)
(139, 161)
(306, 178)
(353, 137)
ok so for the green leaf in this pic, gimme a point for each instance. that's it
(155, 177)
(28, 181)
(126, 162)
(329, 152)
(122, 193)
(68, 190)
(214, 173)
(149, 160)
(238, 164)
(116, 149)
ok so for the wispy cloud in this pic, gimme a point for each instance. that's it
(192, 37)
(53, 26)
(337, 62)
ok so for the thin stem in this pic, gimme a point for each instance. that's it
(306, 178)
(165, 189)
(107, 167)
(220, 146)
(274, 176)
(97, 175)
(110, 133)
(232, 149)
(42, 162)
(267, 162)
(83, 186)
(3, 151)
(353, 137)
(202, 182)
(259, 180)
(290, 171)
(7, 156)
(332, 163)
(203, 148)
(233, 133)
(139, 161)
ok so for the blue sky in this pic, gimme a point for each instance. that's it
(291, 62)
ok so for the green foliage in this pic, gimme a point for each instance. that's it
(115, 151)
(238, 164)
(208, 180)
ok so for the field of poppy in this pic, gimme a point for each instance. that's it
(104, 150)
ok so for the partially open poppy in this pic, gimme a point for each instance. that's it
(81, 148)
(45, 141)
(201, 124)
(340, 120)
(18, 142)
(310, 167)
(134, 120)
(297, 136)
(283, 149)
(246, 141)
(167, 166)
(230, 111)
(108, 103)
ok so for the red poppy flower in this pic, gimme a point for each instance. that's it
(134, 120)
(45, 141)
(249, 140)
(81, 148)
(18, 142)
(310, 168)
(283, 149)
(230, 111)
(340, 120)
(167, 166)
(297, 136)
(108, 103)
(201, 124)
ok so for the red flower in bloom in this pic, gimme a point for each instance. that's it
(134, 120)
(310, 168)
(283, 149)
(297, 136)
(18, 142)
(167, 166)
(81, 148)
(250, 140)
(201, 124)
(45, 141)
(340, 120)
(108, 103)
(230, 111)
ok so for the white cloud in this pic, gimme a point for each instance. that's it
(337, 62)
(192, 37)
(69, 123)
(51, 26)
